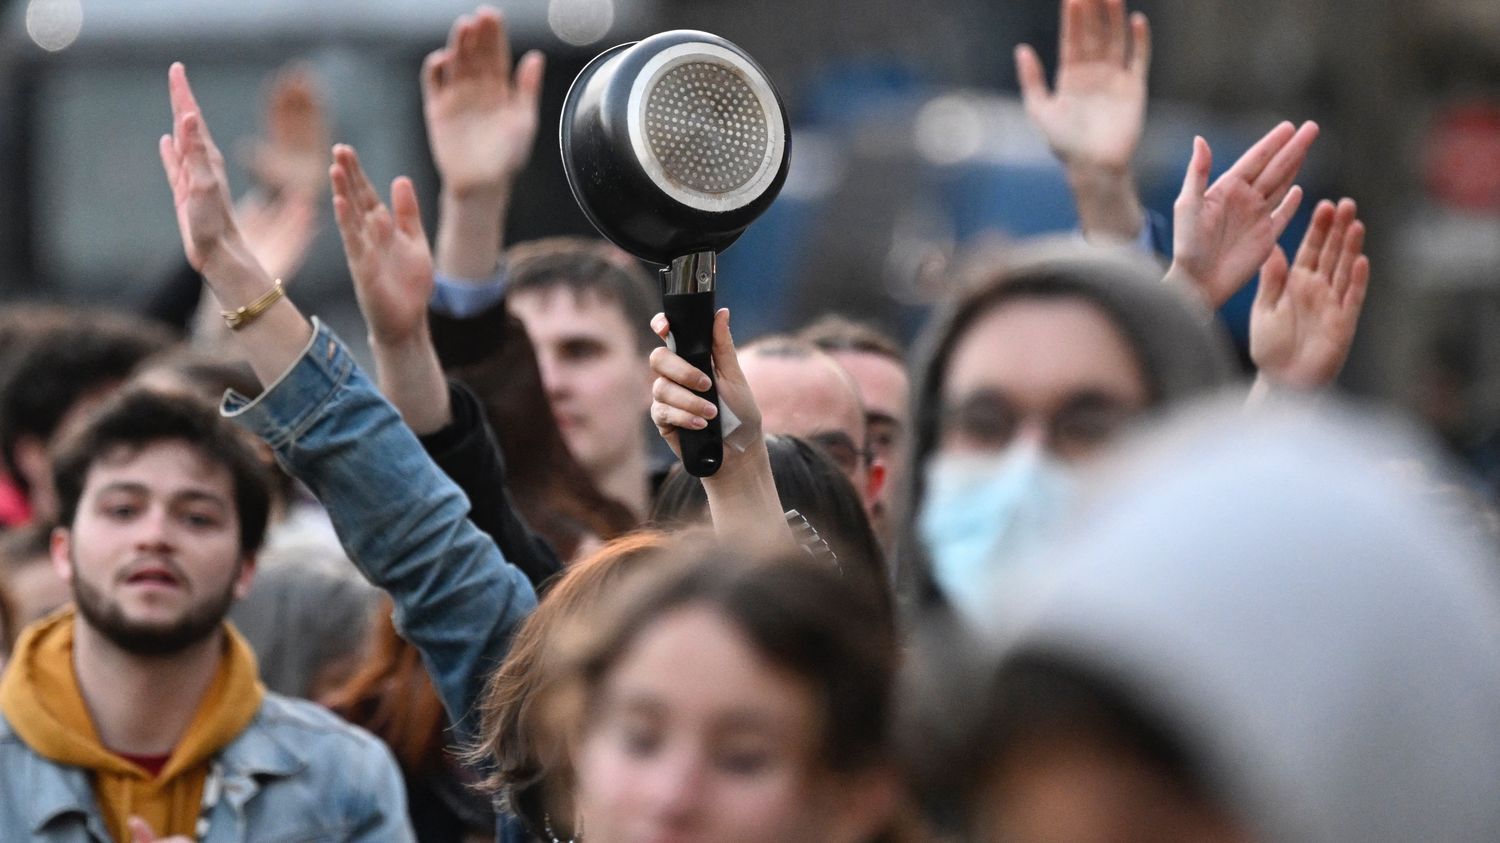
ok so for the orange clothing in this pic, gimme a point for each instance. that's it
(39, 696)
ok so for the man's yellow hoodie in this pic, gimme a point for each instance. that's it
(39, 696)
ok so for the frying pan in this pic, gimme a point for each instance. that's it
(672, 146)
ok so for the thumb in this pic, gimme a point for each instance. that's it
(1273, 274)
(1195, 180)
(726, 358)
(140, 831)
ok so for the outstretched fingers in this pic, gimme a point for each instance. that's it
(1250, 165)
(1328, 255)
(1273, 275)
(1031, 77)
(1277, 177)
(1195, 180)
(1284, 212)
(1140, 45)
(1116, 33)
(1313, 241)
(408, 215)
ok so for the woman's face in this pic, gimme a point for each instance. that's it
(1053, 371)
(696, 737)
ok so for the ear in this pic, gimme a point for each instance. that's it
(60, 547)
(874, 483)
(246, 576)
(863, 804)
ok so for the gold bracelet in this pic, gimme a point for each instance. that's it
(242, 316)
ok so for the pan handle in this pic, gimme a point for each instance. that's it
(688, 302)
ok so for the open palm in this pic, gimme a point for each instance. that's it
(1303, 320)
(1223, 232)
(481, 122)
(387, 250)
(196, 173)
(1096, 112)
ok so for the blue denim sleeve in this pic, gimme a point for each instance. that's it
(401, 520)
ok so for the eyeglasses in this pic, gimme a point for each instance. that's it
(841, 448)
(1079, 425)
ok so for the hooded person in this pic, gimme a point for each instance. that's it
(1259, 631)
(1023, 376)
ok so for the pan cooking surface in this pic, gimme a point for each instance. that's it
(706, 127)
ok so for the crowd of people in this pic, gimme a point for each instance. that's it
(1064, 570)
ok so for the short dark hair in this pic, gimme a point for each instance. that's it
(586, 267)
(51, 371)
(136, 418)
(834, 333)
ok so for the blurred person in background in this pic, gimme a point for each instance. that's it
(723, 697)
(1330, 675)
(141, 712)
(584, 303)
(802, 391)
(391, 695)
(27, 574)
(1033, 369)
(808, 482)
(53, 380)
(877, 363)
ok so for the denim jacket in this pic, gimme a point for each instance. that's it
(401, 520)
(297, 773)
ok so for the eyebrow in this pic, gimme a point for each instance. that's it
(189, 495)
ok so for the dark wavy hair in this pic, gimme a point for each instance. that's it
(136, 418)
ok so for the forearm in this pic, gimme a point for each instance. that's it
(743, 502)
(411, 378)
(1107, 201)
(470, 228)
(403, 523)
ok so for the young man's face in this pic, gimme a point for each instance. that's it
(597, 379)
(153, 555)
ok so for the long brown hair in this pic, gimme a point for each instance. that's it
(510, 728)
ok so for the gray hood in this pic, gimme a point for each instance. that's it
(1183, 351)
(1322, 635)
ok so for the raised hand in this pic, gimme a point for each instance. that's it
(1303, 319)
(1093, 118)
(1096, 112)
(673, 401)
(293, 155)
(742, 497)
(213, 243)
(200, 186)
(481, 122)
(386, 249)
(1223, 232)
(278, 231)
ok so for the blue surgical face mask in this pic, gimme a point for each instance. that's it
(982, 512)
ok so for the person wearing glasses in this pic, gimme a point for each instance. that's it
(802, 391)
